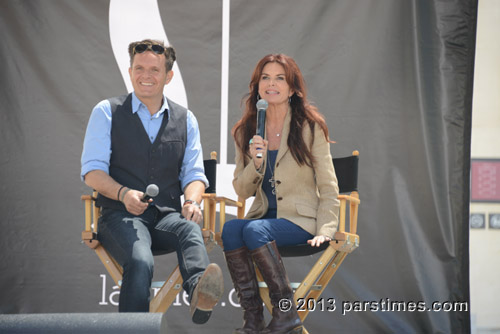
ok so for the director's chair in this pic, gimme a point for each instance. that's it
(333, 253)
(168, 289)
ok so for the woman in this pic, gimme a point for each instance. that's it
(295, 190)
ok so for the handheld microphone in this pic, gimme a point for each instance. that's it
(152, 190)
(261, 120)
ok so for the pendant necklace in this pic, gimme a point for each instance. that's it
(271, 180)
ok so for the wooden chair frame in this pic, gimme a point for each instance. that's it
(168, 290)
(321, 273)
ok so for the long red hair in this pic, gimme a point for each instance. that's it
(302, 111)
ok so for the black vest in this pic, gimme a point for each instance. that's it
(136, 162)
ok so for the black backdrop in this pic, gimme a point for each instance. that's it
(393, 78)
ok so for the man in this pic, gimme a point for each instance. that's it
(139, 139)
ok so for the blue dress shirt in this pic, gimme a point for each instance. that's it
(97, 144)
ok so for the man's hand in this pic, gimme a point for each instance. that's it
(192, 212)
(192, 193)
(133, 203)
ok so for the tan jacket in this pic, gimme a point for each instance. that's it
(305, 196)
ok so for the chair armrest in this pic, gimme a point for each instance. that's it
(209, 215)
(90, 239)
(89, 235)
(349, 198)
(345, 242)
(228, 201)
(219, 199)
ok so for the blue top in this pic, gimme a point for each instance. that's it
(97, 144)
(268, 184)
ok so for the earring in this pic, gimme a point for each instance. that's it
(258, 96)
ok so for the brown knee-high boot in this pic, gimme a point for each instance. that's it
(242, 272)
(268, 260)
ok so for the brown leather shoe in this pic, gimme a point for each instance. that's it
(207, 293)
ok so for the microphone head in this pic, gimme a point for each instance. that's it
(261, 104)
(152, 190)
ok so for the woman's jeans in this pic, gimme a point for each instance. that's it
(131, 240)
(255, 233)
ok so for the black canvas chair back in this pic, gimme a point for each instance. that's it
(346, 169)
(211, 174)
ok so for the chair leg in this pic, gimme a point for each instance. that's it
(285, 317)
(166, 295)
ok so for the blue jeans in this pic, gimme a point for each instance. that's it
(131, 240)
(254, 233)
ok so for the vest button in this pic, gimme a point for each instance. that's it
(280, 198)
(278, 182)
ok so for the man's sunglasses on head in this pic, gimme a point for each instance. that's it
(143, 47)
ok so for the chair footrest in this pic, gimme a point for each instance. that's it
(156, 285)
(294, 285)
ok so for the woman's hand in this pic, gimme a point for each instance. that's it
(258, 145)
(318, 240)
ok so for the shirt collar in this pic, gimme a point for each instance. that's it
(137, 105)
